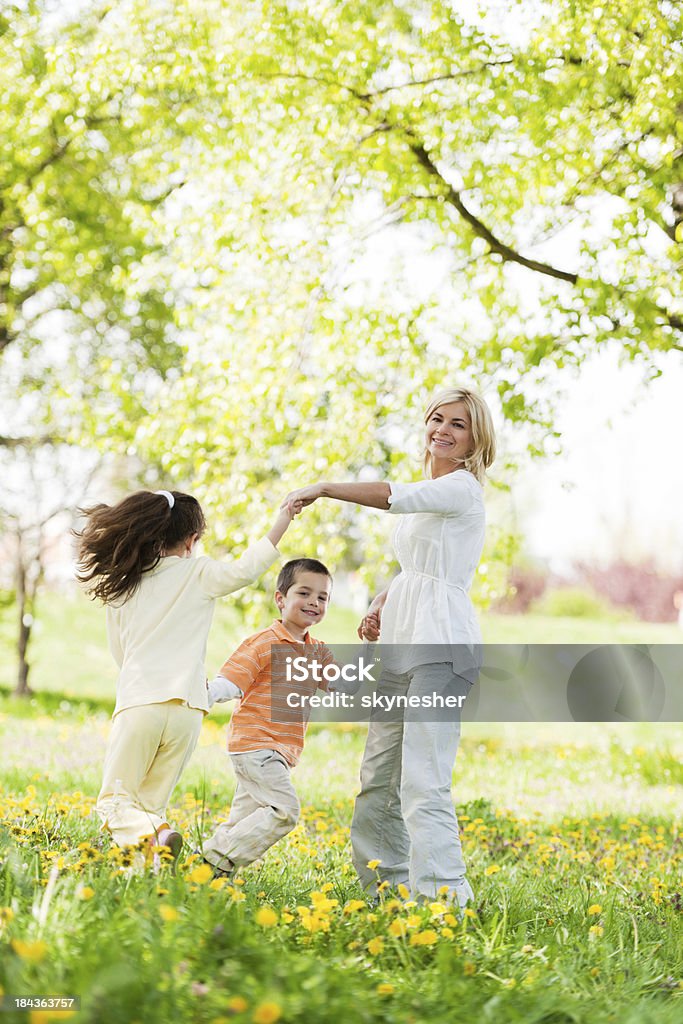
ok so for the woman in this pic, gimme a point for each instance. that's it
(404, 816)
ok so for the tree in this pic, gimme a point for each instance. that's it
(530, 162)
(41, 485)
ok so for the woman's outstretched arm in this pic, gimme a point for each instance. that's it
(374, 494)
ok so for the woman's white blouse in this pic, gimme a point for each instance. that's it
(438, 543)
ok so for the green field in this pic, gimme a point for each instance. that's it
(572, 835)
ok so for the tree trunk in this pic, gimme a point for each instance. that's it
(24, 624)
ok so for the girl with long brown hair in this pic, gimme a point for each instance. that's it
(137, 557)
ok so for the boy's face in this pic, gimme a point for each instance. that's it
(305, 603)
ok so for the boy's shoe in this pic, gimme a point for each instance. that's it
(222, 872)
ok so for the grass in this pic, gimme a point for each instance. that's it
(572, 835)
(69, 653)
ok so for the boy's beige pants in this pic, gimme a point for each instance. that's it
(149, 746)
(265, 808)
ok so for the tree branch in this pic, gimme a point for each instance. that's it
(454, 197)
(451, 77)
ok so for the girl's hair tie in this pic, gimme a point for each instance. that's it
(169, 497)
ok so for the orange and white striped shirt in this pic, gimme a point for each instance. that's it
(262, 719)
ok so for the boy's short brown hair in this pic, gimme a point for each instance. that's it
(290, 571)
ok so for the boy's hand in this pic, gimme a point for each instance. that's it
(371, 622)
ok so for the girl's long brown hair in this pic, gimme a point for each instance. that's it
(121, 542)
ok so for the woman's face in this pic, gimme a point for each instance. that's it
(448, 437)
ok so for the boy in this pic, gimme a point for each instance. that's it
(265, 807)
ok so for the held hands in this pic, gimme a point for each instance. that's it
(370, 624)
(304, 495)
(288, 510)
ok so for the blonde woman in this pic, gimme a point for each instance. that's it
(404, 815)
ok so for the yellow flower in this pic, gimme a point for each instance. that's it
(437, 909)
(33, 952)
(286, 917)
(374, 864)
(426, 938)
(385, 989)
(450, 919)
(492, 869)
(468, 968)
(353, 905)
(403, 891)
(596, 929)
(168, 913)
(237, 1004)
(397, 928)
(266, 917)
(47, 1016)
(447, 933)
(468, 912)
(6, 915)
(85, 892)
(202, 874)
(266, 1013)
(595, 909)
(218, 883)
(527, 949)
(376, 945)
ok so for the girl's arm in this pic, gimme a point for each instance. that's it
(288, 510)
(374, 494)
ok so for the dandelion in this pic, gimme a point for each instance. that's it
(594, 909)
(376, 945)
(385, 989)
(32, 952)
(266, 917)
(596, 930)
(266, 1013)
(527, 949)
(447, 933)
(85, 892)
(403, 891)
(168, 913)
(468, 969)
(397, 928)
(468, 912)
(237, 1004)
(48, 1016)
(6, 915)
(425, 938)
(354, 905)
(374, 864)
(492, 869)
(202, 874)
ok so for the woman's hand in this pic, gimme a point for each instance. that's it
(304, 495)
(370, 624)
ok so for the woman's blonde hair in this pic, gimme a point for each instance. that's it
(483, 433)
